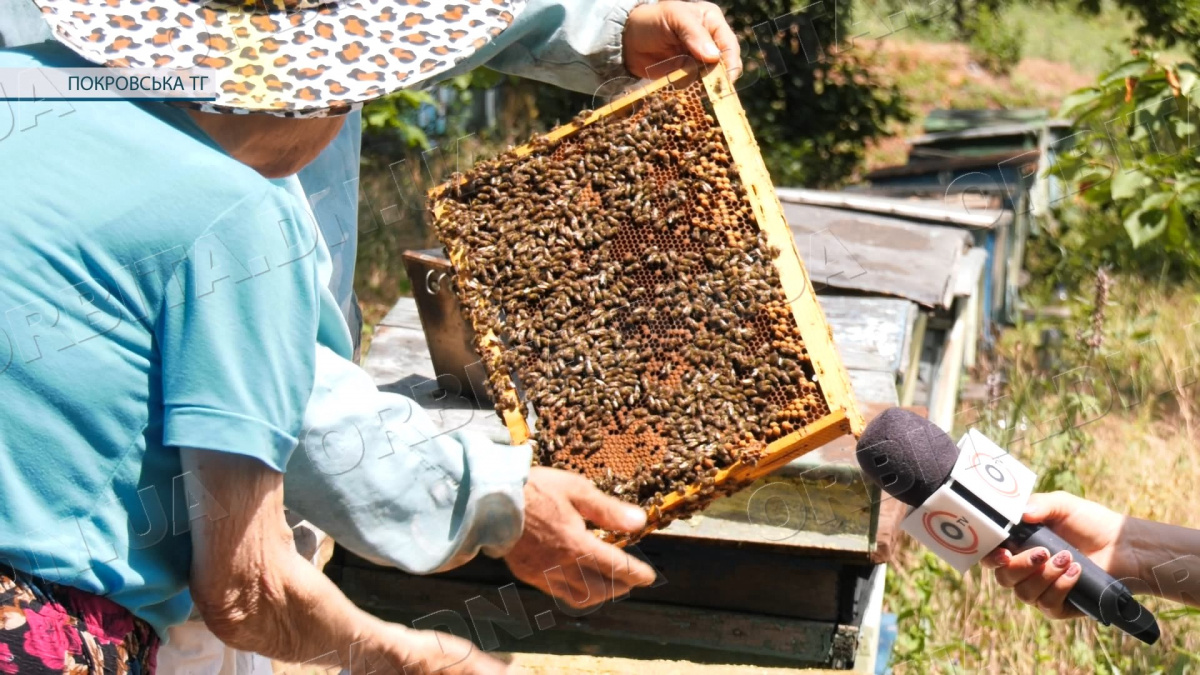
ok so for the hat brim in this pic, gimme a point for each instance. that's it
(304, 62)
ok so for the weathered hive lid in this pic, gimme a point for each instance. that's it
(873, 251)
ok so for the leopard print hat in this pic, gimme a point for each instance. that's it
(291, 58)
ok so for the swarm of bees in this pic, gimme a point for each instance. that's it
(640, 314)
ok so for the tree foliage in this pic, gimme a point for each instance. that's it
(958, 20)
(395, 115)
(995, 44)
(810, 96)
(394, 123)
(1135, 168)
(1167, 23)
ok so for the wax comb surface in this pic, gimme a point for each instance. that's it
(635, 291)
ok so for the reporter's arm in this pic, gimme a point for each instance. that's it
(1164, 557)
(257, 595)
(1150, 557)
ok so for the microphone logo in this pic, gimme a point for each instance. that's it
(995, 474)
(951, 531)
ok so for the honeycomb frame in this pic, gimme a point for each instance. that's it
(843, 417)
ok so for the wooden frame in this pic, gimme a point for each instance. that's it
(831, 376)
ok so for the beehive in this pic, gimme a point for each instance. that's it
(636, 291)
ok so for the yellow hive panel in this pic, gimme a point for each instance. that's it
(633, 284)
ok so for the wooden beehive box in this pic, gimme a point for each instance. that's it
(634, 287)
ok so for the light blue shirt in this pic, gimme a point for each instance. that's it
(157, 294)
(330, 184)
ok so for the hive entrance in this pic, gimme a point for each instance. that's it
(637, 301)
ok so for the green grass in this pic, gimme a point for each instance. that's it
(1057, 33)
(1138, 460)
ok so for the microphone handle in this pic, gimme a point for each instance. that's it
(1096, 594)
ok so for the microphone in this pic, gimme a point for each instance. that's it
(968, 498)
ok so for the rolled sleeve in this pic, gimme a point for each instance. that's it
(236, 333)
(228, 432)
(573, 45)
(497, 475)
(375, 473)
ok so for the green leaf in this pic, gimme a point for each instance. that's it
(1078, 99)
(1157, 200)
(1134, 68)
(378, 117)
(1188, 77)
(1144, 225)
(1125, 184)
(1178, 612)
(1177, 229)
(413, 135)
(1093, 175)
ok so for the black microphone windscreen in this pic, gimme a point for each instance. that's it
(906, 455)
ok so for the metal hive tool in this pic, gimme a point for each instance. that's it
(634, 286)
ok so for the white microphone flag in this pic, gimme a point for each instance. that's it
(950, 526)
(993, 475)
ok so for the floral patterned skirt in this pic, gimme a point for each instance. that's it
(47, 628)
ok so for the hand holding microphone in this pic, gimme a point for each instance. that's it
(968, 499)
(1038, 577)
